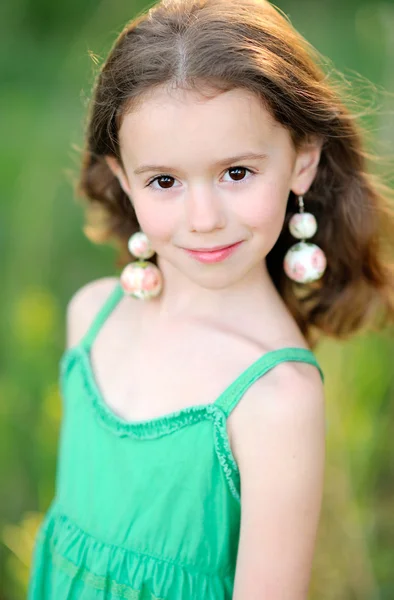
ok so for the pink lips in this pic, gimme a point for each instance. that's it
(213, 256)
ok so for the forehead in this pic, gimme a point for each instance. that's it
(165, 120)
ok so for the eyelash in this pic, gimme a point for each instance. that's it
(149, 184)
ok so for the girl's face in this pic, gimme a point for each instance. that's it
(204, 172)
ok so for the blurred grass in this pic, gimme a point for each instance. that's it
(46, 74)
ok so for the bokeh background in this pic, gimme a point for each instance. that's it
(48, 55)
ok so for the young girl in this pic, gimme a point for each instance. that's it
(191, 458)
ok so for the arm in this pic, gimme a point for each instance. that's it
(281, 454)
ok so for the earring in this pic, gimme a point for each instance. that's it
(304, 262)
(141, 279)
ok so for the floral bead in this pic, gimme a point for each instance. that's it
(139, 245)
(141, 280)
(304, 262)
(303, 225)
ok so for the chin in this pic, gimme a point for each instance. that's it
(217, 281)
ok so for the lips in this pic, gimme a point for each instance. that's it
(212, 249)
(213, 256)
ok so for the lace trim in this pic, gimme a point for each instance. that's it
(98, 582)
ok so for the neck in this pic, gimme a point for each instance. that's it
(182, 298)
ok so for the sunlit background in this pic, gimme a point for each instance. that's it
(48, 57)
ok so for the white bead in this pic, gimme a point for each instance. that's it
(139, 245)
(304, 262)
(142, 280)
(303, 225)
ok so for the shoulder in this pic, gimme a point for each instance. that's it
(288, 399)
(84, 305)
(279, 439)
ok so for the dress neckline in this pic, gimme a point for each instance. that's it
(168, 422)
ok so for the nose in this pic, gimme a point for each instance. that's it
(204, 211)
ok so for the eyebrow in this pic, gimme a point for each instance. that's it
(220, 163)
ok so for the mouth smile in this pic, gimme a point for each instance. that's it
(217, 254)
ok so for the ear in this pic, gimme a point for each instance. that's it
(119, 173)
(306, 164)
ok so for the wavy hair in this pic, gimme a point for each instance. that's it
(226, 44)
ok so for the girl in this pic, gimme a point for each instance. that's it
(192, 448)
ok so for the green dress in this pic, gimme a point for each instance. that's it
(143, 510)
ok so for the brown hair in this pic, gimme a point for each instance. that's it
(226, 44)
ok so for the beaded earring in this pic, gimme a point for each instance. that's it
(141, 279)
(304, 262)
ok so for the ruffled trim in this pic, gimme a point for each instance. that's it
(113, 588)
(143, 429)
(66, 558)
(158, 427)
(223, 450)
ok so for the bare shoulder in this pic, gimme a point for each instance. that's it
(279, 445)
(290, 393)
(84, 305)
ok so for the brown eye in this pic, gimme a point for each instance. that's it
(239, 173)
(167, 181)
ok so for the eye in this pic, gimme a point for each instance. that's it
(166, 179)
(239, 173)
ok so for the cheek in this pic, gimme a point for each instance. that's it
(156, 223)
(265, 211)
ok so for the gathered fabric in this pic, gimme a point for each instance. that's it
(143, 510)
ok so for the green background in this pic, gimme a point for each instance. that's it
(47, 60)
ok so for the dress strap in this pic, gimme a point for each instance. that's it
(104, 312)
(228, 400)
